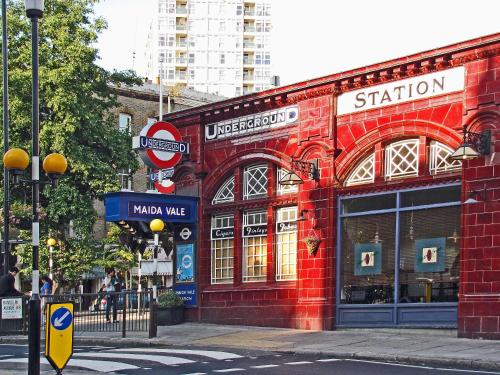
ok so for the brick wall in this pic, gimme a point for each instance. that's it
(309, 302)
(479, 306)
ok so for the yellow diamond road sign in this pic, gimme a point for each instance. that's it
(59, 334)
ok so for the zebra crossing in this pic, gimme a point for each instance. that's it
(129, 360)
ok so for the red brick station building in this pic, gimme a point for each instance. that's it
(408, 236)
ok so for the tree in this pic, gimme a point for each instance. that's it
(76, 102)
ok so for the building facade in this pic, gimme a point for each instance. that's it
(386, 230)
(215, 46)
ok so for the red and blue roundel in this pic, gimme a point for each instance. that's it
(160, 145)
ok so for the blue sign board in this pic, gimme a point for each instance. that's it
(168, 211)
(61, 318)
(187, 292)
(184, 263)
(131, 206)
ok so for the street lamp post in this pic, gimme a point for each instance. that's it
(51, 243)
(156, 227)
(34, 10)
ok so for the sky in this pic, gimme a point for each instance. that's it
(314, 38)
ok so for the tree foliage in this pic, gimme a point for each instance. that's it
(76, 104)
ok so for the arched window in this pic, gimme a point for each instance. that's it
(401, 159)
(255, 182)
(439, 161)
(364, 173)
(225, 192)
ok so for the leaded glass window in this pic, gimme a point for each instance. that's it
(364, 173)
(255, 182)
(439, 160)
(225, 192)
(401, 159)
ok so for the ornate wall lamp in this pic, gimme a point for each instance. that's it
(309, 169)
(473, 145)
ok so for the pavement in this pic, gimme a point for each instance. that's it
(413, 346)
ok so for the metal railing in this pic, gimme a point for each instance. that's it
(123, 312)
(11, 307)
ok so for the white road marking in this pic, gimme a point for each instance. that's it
(103, 366)
(12, 345)
(203, 353)
(264, 366)
(298, 363)
(6, 355)
(230, 370)
(196, 373)
(328, 360)
(164, 360)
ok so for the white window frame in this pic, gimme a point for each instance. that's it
(222, 250)
(259, 246)
(284, 189)
(439, 161)
(286, 245)
(124, 122)
(403, 167)
(364, 173)
(225, 192)
(249, 191)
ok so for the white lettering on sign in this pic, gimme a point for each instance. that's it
(406, 90)
(250, 124)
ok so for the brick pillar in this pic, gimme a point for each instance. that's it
(479, 297)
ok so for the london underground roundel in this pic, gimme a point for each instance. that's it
(165, 186)
(160, 145)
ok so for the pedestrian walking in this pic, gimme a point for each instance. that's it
(45, 293)
(7, 284)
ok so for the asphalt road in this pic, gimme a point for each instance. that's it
(201, 361)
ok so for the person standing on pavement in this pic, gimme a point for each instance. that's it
(111, 286)
(45, 292)
(7, 284)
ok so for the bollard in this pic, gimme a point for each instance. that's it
(153, 322)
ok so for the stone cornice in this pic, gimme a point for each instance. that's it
(418, 64)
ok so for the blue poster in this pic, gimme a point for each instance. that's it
(184, 263)
(430, 254)
(187, 292)
(367, 259)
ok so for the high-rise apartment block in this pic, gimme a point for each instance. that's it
(215, 46)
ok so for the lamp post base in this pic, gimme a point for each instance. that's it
(34, 336)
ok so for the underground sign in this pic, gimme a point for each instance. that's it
(160, 145)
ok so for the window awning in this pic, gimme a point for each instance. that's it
(165, 268)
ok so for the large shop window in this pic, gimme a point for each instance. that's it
(410, 236)
(286, 243)
(255, 246)
(222, 249)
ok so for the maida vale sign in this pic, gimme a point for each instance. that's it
(252, 124)
(402, 91)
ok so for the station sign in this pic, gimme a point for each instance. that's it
(166, 211)
(251, 124)
(185, 232)
(187, 292)
(59, 334)
(160, 145)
